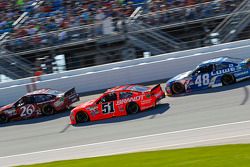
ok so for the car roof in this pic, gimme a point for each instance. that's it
(44, 91)
(221, 60)
(124, 88)
(118, 88)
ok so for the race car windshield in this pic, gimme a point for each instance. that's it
(139, 88)
(234, 60)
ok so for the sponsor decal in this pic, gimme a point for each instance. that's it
(74, 100)
(124, 101)
(72, 96)
(148, 96)
(59, 102)
(159, 94)
(10, 112)
(223, 71)
(146, 101)
(94, 112)
(121, 108)
(92, 108)
(241, 73)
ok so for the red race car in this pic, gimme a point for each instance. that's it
(40, 102)
(118, 101)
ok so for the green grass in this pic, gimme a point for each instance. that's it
(215, 156)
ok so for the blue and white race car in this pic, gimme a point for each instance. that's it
(211, 73)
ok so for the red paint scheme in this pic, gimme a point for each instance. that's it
(36, 103)
(101, 108)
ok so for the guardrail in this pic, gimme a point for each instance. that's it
(132, 71)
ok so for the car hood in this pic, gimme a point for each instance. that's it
(180, 76)
(86, 104)
(9, 106)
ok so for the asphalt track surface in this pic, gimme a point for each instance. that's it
(214, 116)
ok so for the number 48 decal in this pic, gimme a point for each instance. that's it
(202, 80)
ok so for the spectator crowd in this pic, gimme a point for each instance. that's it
(10, 11)
(81, 19)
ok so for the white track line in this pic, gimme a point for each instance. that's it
(172, 145)
(141, 137)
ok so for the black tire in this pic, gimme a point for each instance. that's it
(82, 117)
(227, 79)
(132, 108)
(3, 119)
(48, 110)
(178, 88)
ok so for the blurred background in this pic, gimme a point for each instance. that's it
(42, 37)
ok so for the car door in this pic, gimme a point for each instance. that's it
(44, 99)
(26, 107)
(106, 105)
(122, 102)
(201, 77)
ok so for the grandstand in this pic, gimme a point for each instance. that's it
(34, 32)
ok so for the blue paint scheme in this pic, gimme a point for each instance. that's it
(209, 74)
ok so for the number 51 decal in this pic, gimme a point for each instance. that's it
(108, 108)
(202, 80)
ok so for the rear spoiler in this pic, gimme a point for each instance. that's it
(70, 92)
(155, 87)
(157, 92)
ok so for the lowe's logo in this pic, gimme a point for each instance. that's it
(223, 71)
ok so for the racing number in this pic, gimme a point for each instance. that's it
(202, 80)
(27, 111)
(108, 108)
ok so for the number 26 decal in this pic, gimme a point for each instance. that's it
(27, 111)
(202, 80)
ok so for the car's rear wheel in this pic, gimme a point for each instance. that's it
(3, 119)
(82, 117)
(133, 108)
(48, 110)
(178, 88)
(227, 79)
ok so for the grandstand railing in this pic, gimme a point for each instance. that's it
(234, 23)
(15, 66)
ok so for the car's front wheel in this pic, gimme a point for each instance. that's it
(178, 88)
(227, 79)
(3, 119)
(133, 108)
(82, 117)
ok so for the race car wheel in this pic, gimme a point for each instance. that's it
(227, 79)
(82, 117)
(133, 108)
(178, 88)
(48, 110)
(3, 118)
